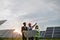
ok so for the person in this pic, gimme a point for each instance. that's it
(38, 33)
(30, 28)
(24, 28)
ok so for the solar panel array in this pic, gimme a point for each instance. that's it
(52, 32)
(9, 34)
(2, 21)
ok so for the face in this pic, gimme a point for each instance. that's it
(29, 25)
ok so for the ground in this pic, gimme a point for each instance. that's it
(21, 39)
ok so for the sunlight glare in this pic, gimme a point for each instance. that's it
(17, 31)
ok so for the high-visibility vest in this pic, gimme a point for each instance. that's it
(38, 33)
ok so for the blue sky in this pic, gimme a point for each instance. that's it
(45, 12)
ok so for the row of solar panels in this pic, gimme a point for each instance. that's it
(9, 33)
(52, 32)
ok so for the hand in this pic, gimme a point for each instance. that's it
(35, 23)
(24, 31)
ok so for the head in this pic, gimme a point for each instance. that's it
(29, 24)
(24, 23)
(36, 27)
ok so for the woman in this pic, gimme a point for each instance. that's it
(38, 33)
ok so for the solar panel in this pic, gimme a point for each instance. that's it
(56, 36)
(4, 32)
(57, 32)
(9, 33)
(57, 28)
(42, 34)
(49, 28)
(49, 31)
(53, 32)
(48, 35)
(2, 21)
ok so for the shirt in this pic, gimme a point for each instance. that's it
(29, 28)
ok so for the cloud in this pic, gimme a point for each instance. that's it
(47, 14)
(24, 7)
(41, 11)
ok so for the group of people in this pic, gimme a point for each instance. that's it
(25, 28)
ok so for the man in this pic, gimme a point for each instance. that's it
(30, 28)
(24, 28)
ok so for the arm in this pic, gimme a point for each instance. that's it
(21, 29)
(34, 25)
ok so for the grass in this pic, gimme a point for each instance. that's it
(21, 39)
(10, 39)
(50, 39)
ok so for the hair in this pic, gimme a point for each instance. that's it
(36, 27)
(24, 22)
(29, 23)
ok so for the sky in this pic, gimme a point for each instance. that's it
(45, 13)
